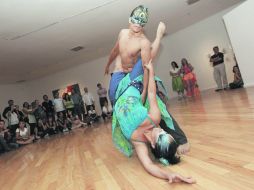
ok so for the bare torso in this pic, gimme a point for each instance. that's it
(129, 50)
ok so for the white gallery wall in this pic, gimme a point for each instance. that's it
(17, 92)
(240, 26)
(86, 75)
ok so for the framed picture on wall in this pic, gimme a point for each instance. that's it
(69, 89)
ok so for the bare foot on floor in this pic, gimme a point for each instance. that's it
(183, 149)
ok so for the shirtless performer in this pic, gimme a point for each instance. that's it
(134, 39)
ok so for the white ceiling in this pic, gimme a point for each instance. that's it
(36, 35)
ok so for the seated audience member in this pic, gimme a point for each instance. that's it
(43, 128)
(52, 129)
(62, 123)
(73, 120)
(92, 115)
(23, 134)
(3, 144)
(7, 141)
(238, 81)
(106, 111)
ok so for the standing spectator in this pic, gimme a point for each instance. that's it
(77, 100)
(238, 81)
(30, 119)
(177, 82)
(59, 105)
(39, 112)
(219, 71)
(102, 93)
(88, 100)
(13, 120)
(19, 113)
(7, 109)
(48, 106)
(189, 78)
(68, 102)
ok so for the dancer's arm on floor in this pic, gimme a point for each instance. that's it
(153, 169)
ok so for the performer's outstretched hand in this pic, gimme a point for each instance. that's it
(161, 30)
(176, 178)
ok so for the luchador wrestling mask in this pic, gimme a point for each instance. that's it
(139, 16)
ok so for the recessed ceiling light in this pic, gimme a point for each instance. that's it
(190, 2)
(20, 81)
(78, 48)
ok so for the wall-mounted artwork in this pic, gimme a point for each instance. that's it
(67, 90)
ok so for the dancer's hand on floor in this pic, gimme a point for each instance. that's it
(176, 178)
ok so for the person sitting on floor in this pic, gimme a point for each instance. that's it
(106, 111)
(74, 121)
(51, 126)
(92, 115)
(238, 81)
(62, 123)
(23, 134)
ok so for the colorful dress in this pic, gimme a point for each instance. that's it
(177, 83)
(129, 113)
(189, 79)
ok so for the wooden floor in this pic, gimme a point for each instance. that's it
(220, 127)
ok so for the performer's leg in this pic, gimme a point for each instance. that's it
(137, 70)
(114, 81)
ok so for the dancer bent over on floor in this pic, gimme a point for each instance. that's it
(140, 127)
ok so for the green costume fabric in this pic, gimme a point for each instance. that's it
(139, 15)
(121, 133)
(130, 111)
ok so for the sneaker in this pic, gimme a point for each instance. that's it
(219, 89)
(65, 130)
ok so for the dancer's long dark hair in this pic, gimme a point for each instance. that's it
(166, 151)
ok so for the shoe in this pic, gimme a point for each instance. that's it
(217, 90)
(65, 130)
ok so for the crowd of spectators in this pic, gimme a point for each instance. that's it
(38, 120)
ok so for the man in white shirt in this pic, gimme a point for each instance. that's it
(59, 105)
(88, 99)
